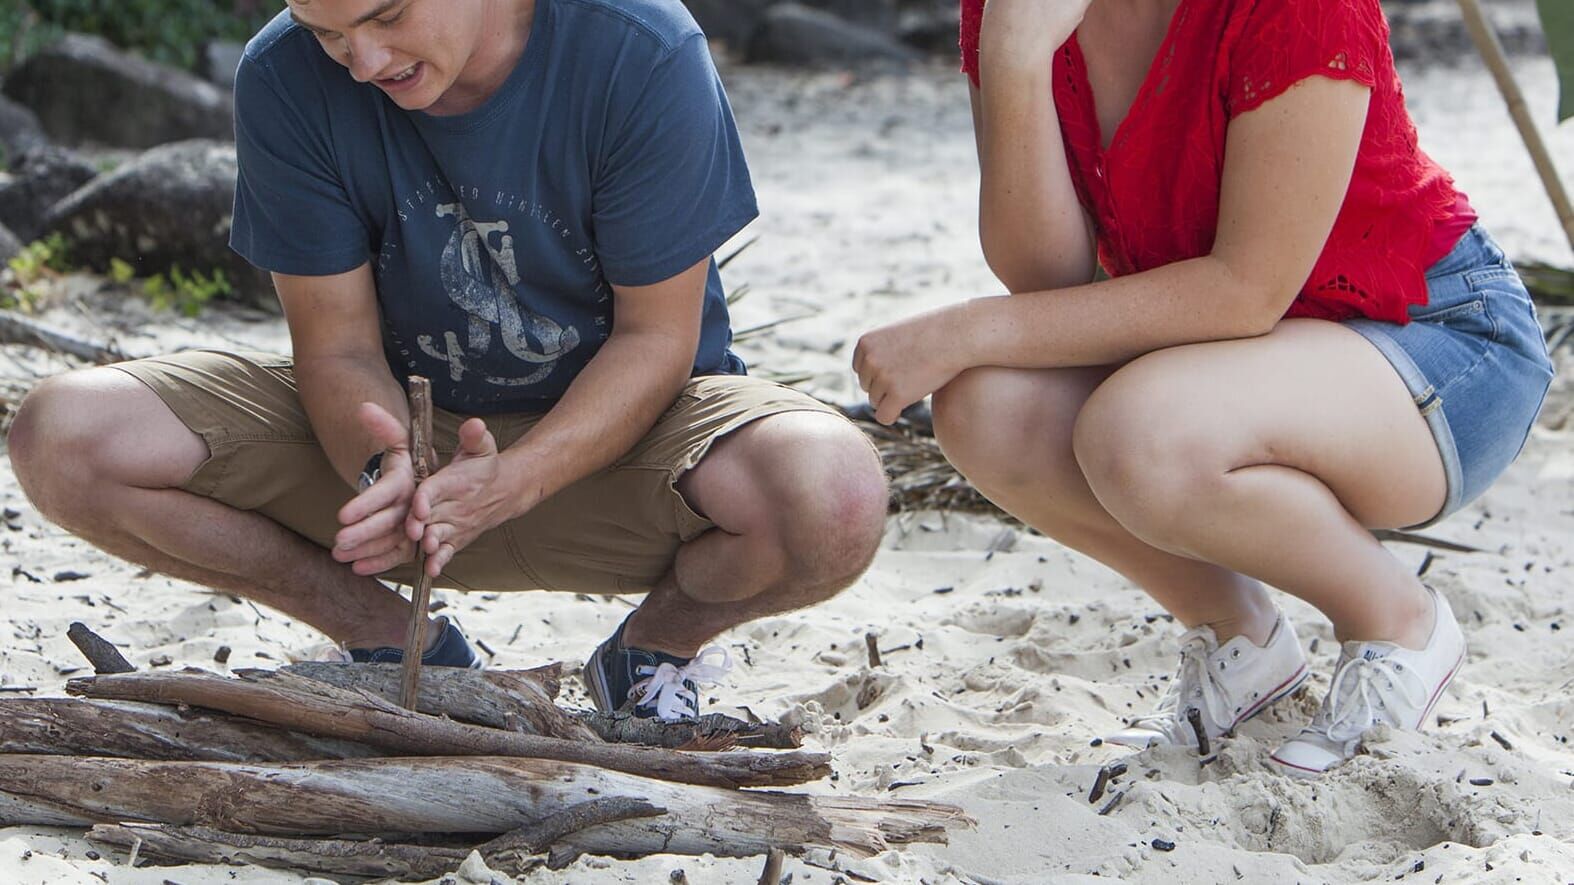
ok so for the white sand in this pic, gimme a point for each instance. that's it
(1028, 653)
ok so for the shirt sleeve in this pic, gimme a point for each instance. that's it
(292, 213)
(1282, 42)
(672, 186)
(972, 23)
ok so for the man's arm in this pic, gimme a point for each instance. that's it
(339, 362)
(609, 407)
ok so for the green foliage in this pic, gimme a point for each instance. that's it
(169, 31)
(183, 292)
(1557, 19)
(37, 262)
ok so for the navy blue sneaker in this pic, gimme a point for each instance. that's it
(650, 684)
(451, 650)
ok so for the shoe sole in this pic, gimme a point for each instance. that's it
(1301, 771)
(595, 684)
(1282, 691)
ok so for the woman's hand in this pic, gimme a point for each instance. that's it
(1017, 32)
(902, 363)
(471, 495)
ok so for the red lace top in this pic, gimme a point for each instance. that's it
(1154, 194)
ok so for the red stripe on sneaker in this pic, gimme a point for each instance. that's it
(1278, 692)
(1438, 694)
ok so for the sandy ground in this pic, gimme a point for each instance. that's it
(1001, 667)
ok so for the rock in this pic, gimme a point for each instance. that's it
(732, 22)
(930, 25)
(39, 179)
(20, 131)
(172, 205)
(217, 61)
(794, 34)
(84, 89)
(881, 15)
(9, 245)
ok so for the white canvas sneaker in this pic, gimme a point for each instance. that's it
(1376, 682)
(1227, 684)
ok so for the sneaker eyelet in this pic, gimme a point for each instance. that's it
(1235, 653)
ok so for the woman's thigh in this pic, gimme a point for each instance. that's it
(1311, 395)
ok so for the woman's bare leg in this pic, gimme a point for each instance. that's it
(1273, 456)
(1009, 431)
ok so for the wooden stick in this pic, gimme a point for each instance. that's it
(18, 329)
(395, 797)
(316, 708)
(421, 595)
(104, 657)
(772, 874)
(1491, 50)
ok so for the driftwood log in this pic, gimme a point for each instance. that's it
(394, 797)
(344, 857)
(313, 707)
(514, 700)
(55, 726)
(521, 700)
(514, 853)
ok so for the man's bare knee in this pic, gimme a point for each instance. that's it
(87, 430)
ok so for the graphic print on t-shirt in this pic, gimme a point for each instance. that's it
(480, 274)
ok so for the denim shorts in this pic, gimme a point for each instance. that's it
(1475, 360)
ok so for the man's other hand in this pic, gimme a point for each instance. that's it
(470, 495)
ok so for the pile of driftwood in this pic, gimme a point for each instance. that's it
(313, 767)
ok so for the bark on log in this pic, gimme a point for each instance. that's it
(515, 851)
(317, 708)
(511, 700)
(343, 857)
(61, 727)
(392, 797)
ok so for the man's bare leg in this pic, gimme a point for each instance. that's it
(799, 501)
(100, 454)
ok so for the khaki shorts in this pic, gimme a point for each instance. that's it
(615, 531)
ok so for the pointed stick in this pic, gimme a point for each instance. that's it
(1491, 50)
(421, 595)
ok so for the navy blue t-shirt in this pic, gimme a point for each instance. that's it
(609, 156)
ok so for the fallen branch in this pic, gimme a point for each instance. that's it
(395, 797)
(515, 851)
(18, 329)
(301, 704)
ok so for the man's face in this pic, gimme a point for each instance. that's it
(413, 50)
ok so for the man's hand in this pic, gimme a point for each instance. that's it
(469, 496)
(373, 538)
(902, 363)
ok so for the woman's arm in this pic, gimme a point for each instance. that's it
(1034, 232)
(1287, 168)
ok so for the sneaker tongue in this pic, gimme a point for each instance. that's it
(1371, 651)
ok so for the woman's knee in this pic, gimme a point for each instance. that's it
(1147, 458)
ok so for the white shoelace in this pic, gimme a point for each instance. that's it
(664, 685)
(1195, 677)
(1356, 700)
